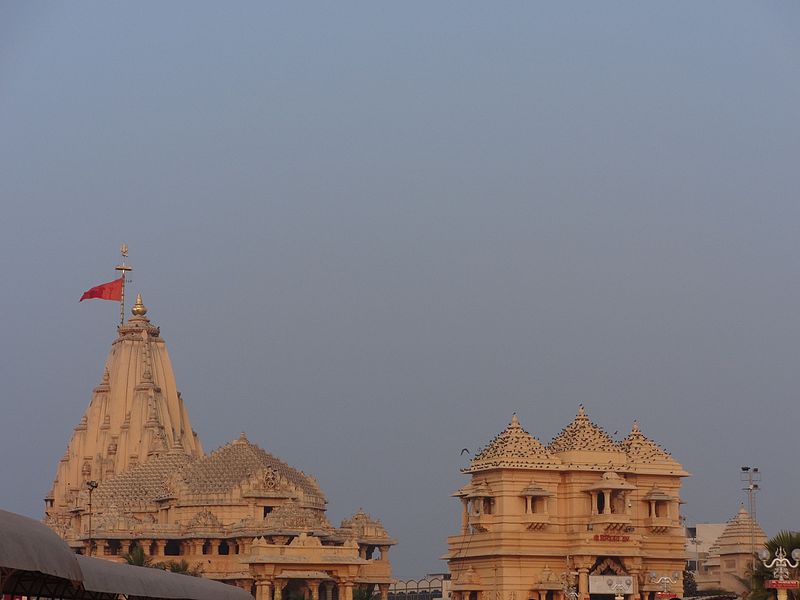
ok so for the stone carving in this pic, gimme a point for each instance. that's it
(205, 519)
(607, 567)
(305, 540)
(293, 516)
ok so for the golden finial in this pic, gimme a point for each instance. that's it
(139, 309)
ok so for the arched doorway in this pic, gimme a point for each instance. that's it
(609, 579)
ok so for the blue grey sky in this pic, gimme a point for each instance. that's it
(371, 232)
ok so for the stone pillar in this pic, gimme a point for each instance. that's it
(606, 502)
(263, 589)
(161, 545)
(635, 586)
(313, 584)
(583, 582)
(278, 588)
(384, 588)
(348, 590)
(594, 503)
(100, 548)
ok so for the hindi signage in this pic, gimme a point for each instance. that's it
(782, 584)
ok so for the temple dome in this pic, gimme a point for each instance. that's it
(513, 448)
(582, 435)
(642, 451)
(135, 414)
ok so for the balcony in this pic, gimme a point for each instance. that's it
(536, 521)
(481, 523)
(659, 524)
(611, 521)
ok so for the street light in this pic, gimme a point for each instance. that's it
(568, 581)
(780, 566)
(751, 475)
(665, 580)
(91, 486)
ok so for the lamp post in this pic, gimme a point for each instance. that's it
(751, 476)
(568, 583)
(780, 566)
(665, 581)
(90, 485)
(619, 588)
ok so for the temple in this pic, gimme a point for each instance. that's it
(725, 563)
(135, 475)
(584, 514)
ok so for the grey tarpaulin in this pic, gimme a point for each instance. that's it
(28, 545)
(34, 561)
(143, 582)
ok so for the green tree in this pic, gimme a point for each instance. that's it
(136, 556)
(689, 584)
(182, 567)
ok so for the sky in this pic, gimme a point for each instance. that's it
(371, 232)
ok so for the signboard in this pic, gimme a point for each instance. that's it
(607, 537)
(610, 584)
(782, 584)
(666, 595)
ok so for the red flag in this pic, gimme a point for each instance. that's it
(106, 291)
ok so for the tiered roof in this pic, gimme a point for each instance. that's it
(515, 448)
(736, 536)
(582, 434)
(143, 483)
(642, 450)
(234, 463)
(362, 526)
(512, 448)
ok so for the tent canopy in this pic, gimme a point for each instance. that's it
(28, 545)
(143, 582)
(35, 561)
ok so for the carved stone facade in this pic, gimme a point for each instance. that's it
(241, 514)
(584, 510)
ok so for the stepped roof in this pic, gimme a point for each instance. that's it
(238, 461)
(513, 448)
(736, 536)
(582, 434)
(642, 450)
(143, 483)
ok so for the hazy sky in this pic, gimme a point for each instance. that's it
(371, 232)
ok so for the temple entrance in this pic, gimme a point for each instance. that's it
(296, 589)
(609, 579)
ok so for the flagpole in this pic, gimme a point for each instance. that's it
(123, 250)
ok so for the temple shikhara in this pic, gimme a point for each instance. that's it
(135, 474)
(584, 514)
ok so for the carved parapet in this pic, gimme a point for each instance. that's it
(536, 522)
(481, 523)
